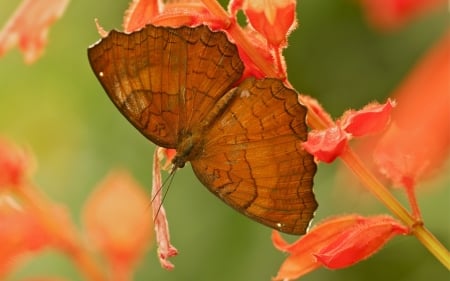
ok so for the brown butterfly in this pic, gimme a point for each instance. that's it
(177, 87)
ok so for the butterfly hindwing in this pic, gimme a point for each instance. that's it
(253, 160)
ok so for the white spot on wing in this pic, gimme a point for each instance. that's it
(245, 94)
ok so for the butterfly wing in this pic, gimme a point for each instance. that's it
(253, 160)
(164, 80)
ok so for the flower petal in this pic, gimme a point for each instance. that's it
(417, 143)
(140, 13)
(165, 249)
(117, 219)
(372, 119)
(274, 19)
(14, 164)
(335, 243)
(327, 144)
(278, 242)
(315, 107)
(20, 232)
(359, 241)
(301, 261)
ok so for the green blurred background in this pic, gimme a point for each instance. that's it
(57, 108)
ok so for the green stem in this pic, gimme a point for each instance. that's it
(430, 242)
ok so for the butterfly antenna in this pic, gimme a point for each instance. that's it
(165, 182)
(168, 181)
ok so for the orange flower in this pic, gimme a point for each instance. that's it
(20, 232)
(14, 164)
(418, 142)
(118, 220)
(171, 13)
(28, 27)
(336, 243)
(359, 241)
(274, 19)
(269, 24)
(391, 14)
(139, 13)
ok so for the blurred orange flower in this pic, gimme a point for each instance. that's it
(14, 164)
(418, 141)
(117, 218)
(28, 27)
(45, 279)
(392, 14)
(20, 232)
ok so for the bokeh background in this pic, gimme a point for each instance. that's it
(58, 109)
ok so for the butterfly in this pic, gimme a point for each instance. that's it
(178, 87)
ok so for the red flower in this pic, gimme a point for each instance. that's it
(328, 144)
(336, 243)
(274, 19)
(372, 119)
(118, 221)
(28, 27)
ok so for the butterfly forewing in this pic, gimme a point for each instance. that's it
(213, 67)
(164, 80)
(253, 160)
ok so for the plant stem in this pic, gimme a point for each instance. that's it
(355, 164)
(385, 196)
